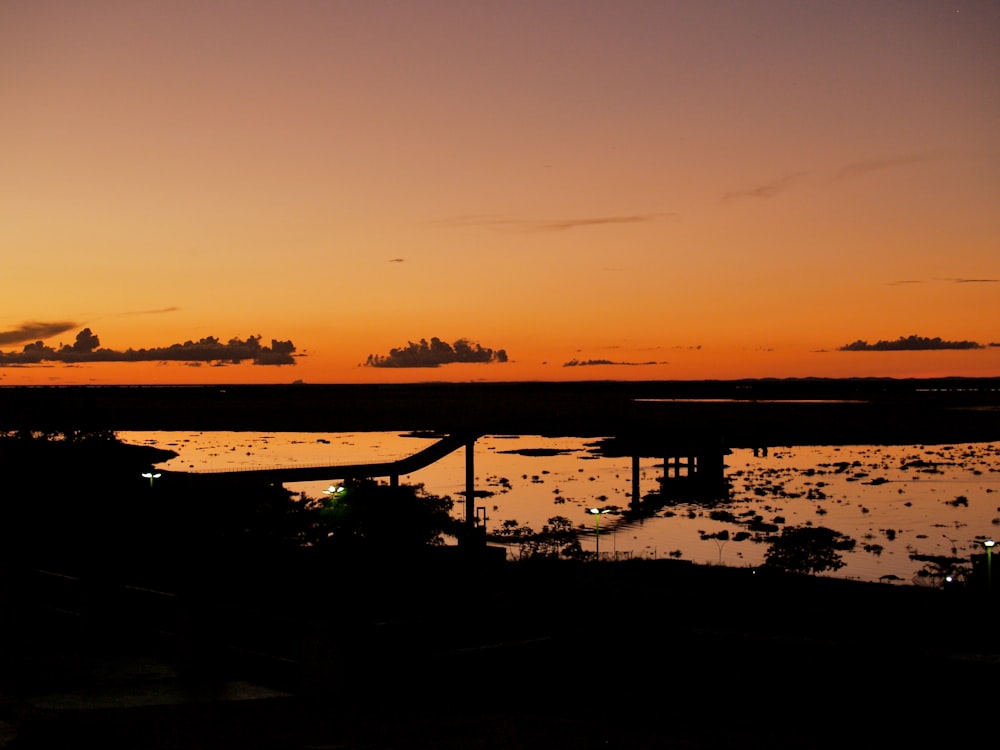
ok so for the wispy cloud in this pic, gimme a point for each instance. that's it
(600, 362)
(397, 260)
(854, 170)
(159, 311)
(547, 225)
(948, 281)
(880, 164)
(767, 190)
(35, 331)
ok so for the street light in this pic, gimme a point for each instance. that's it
(333, 491)
(151, 476)
(598, 512)
(989, 561)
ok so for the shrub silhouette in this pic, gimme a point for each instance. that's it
(367, 516)
(807, 549)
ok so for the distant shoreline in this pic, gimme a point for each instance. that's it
(734, 413)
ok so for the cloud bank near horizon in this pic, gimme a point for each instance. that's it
(436, 353)
(87, 348)
(909, 343)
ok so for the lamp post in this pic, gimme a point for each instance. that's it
(151, 476)
(989, 562)
(333, 491)
(597, 512)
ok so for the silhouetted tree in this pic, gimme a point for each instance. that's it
(940, 570)
(370, 517)
(557, 538)
(808, 549)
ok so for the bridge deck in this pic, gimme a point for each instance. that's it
(419, 460)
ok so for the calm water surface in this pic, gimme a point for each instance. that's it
(895, 501)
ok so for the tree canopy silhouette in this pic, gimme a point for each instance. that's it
(808, 549)
(367, 516)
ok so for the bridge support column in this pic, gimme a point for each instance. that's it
(636, 492)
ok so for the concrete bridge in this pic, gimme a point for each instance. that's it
(695, 473)
(445, 446)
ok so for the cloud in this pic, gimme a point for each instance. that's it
(596, 362)
(435, 354)
(854, 170)
(767, 190)
(881, 164)
(908, 343)
(35, 330)
(397, 260)
(158, 311)
(549, 225)
(953, 281)
(87, 348)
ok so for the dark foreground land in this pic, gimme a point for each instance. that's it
(640, 654)
(462, 651)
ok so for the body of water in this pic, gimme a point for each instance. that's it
(895, 501)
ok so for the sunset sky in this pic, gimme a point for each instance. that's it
(674, 190)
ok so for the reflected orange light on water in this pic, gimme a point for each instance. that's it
(894, 501)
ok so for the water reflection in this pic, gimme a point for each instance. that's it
(897, 502)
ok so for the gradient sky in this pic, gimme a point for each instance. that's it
(721, 189)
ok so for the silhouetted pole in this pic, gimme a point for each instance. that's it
(598, 512)
(989, 562)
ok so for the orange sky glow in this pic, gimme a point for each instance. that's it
(649, 190)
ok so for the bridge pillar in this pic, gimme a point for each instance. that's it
(636, 491)
(700, 472)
